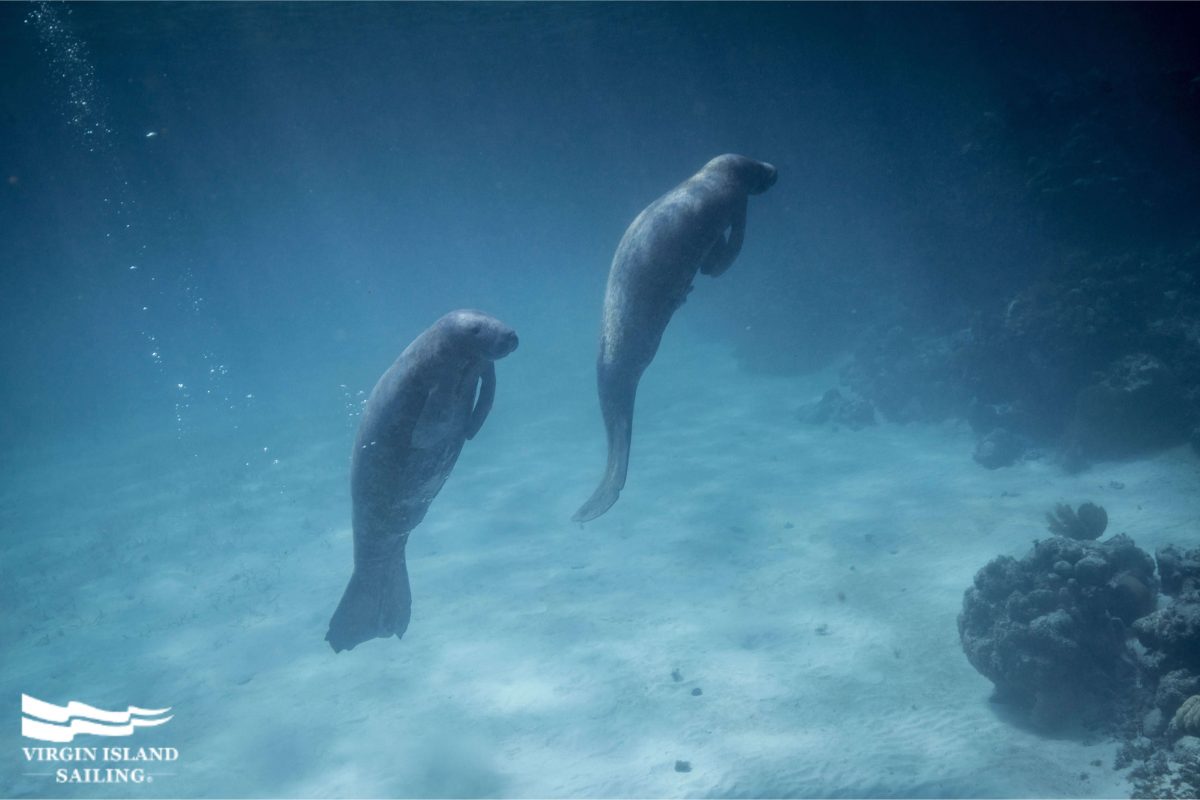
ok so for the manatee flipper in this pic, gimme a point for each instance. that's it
(377, 604)
(435, 421)
(483, 403)
(683, 297)
(724, 251)
(616, 401)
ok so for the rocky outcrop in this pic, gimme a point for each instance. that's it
(1049, 630)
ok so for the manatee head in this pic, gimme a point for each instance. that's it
(755, 176)
(478, 334)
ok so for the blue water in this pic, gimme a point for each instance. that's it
(222, 222)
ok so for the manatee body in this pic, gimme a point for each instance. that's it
(697, 226)
(433, 398)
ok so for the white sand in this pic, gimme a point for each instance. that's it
(540, 655)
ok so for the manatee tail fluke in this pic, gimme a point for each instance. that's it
(377, 604)
(616, 401)
(601, 500)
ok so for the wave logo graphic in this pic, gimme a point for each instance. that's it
(50, 723)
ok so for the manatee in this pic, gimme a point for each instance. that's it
(433, 399)
(696, 227)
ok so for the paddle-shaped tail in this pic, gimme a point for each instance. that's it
(616, 402)
(377, 604)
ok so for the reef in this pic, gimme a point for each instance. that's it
(1098, 360)
(837, 410)
(1179, 570)
(999, 448)
(1060, 313)
(1137, 404)
(1170, 636)
(1186, 721)
(1050, 629)
(1073, 633)
(1172, 633)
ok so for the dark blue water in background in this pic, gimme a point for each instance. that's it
(323, 180)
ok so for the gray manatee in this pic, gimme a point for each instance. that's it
(413, 427)
(697, 226)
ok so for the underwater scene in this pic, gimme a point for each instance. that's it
(599, 400)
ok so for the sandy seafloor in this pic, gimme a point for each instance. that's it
(540, 655)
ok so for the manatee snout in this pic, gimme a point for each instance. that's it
(770, 175)
(505, 342)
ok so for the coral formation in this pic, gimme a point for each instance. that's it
(1000, 448)
(1179, 570)
(1053, 633)
(1049, 630)
(1186, 721)
(1098, 358)
(1137, 405)
(1086, 523)
(1172, 634)
(836, 409)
